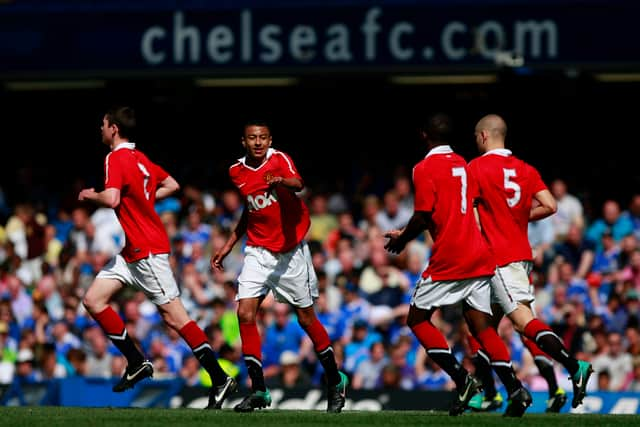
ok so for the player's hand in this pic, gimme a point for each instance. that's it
(395, 245)
(217, 258)
(274, 180)
(87, 194)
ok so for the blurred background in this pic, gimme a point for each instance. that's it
(345, 85)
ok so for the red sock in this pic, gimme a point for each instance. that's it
(250, 340)
(110, 322)
(534, 327)
(113, 326)
(493, 345)
(193, 335)
(319, 336)
(429, 336)
(474, 345)
(534, 349)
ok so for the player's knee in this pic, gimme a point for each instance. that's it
(90, 303)
(246, 315)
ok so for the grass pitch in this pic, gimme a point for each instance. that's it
(135, 417)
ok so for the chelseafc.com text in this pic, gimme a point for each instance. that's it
(372, 38)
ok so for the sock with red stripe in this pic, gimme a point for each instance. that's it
(500, 359)
(438, 350)
(113, 327)
(322, 346)
(544, 364)
(197, 340)
(550, 343)
(252, 355)
(482, 365)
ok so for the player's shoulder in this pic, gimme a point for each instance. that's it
(280, 155)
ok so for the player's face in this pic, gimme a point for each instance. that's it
(257, 140)
(107, 131)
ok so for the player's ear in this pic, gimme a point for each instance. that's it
(244, 144)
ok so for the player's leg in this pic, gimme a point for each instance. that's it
(252, 351)
(176, 317)
(436, 346)
(477, 312)
(96, 300)
(337, 381)
(544, 363)
(513, 280)
(489, 399)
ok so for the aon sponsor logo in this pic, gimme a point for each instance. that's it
(261, 201)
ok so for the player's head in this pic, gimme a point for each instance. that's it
(490, 132)
(437, 130)
(256, 139)
(118, 122)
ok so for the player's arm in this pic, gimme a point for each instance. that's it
(236, 234)
(109, 197)
(398, 239)
(167, 187)
(291, 183)
(545, 207)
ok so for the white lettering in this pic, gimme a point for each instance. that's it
(337, 47)
(268, 38)
(487, 31)
(219, 44)
(302, 36)
(536, 30)
(146, 46)
(395, 48)
(450, 30)
(261, 201)
(183, 35)
(223, 43)
(245, 25)
(625, 405)
(370, 28)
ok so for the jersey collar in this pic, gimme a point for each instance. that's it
(128, 145)
(499, 152)
(440, 149)
(243, 160)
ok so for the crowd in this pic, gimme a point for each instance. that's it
(586, 279)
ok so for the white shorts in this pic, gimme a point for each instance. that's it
(511, 285)
(290, 275)
(151, 275)
(475, 292)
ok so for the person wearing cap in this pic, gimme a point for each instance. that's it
(291, 375)
(25, 369)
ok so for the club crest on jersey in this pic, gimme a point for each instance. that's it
(261, 201)
(267, 176)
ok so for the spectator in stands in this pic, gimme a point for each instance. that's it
(368, 372)
(570, 210)
(392, 216)
(611, 220)
(99, 359)
(616, 362)
(577, 251)
(632, 214)
(322, 221)
(291, 375)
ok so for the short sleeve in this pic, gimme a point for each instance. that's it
(113, 172)
(287, 167)
(425, 190)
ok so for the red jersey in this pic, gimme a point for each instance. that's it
(444, 188)
(278, 219)
(506, 189)
(137, 178)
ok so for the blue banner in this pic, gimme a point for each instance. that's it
(96, 392)
(399, 36)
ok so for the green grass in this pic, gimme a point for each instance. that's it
(135, 417)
